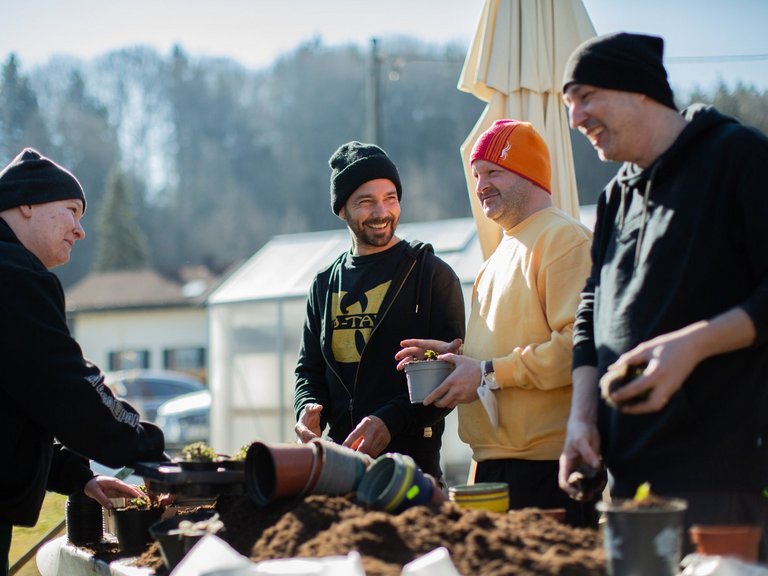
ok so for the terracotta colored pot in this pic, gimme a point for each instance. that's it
(739, 540)
(274, 471)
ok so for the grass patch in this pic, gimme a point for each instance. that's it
(25, 538)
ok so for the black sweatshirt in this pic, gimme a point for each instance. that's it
(679, 242)
(49, 391)
(424, 301)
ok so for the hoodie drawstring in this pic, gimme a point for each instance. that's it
(419, 279)
(644, 218)
(627, 189)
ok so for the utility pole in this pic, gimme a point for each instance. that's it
(372, 107)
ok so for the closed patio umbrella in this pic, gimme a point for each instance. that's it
(515, 64)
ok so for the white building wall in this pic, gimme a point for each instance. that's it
(100, 333)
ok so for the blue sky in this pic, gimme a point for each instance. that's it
(706, 40)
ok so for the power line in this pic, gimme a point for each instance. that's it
(711, 59)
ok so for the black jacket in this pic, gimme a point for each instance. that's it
(679, 242)
(424, 301)
(48, 390)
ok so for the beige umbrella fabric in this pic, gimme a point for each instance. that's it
(515, 63)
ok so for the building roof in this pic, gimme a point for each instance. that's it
(144, 288)
(283, 268)
(287, 264)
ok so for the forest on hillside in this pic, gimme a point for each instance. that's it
(201, 161)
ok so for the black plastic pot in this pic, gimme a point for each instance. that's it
(132, 527)
(85, 521)
(174, 547)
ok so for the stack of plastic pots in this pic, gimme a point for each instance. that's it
(85, 519)
(341, 469)
(394, 482)
(275, 471)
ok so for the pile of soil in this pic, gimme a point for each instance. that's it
(523, 543)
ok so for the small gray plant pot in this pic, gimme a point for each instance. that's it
(424, 376)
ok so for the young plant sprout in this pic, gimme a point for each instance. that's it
(198, 451)
(643, 492)
(240, 454)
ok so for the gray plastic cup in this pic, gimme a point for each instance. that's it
(424, 376)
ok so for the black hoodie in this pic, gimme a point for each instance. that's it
(679, 242)
(424, 301)
(48, 390)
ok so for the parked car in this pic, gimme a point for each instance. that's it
(185, 419)
(146, 390)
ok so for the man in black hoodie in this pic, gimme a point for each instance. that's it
(360, 307)
(55, 411)
(679, 287)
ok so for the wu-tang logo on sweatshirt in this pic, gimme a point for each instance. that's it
(353, 320)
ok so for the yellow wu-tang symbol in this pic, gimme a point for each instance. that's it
(352, 325)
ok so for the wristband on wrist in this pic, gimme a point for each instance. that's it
(489, 376)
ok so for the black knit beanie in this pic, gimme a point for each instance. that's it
(31, 178)
(622, 61)
(354, 164)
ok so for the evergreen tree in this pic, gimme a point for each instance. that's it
(21, 123)
(743, 102)
(89, 148)
(122, 244)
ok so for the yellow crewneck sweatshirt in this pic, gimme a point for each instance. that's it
(522, 311)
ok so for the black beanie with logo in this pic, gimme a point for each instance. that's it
(354, 164)
(622, 61)
(31, 178)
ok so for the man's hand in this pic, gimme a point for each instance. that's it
(102, 488)
(582, 446)
(460, 387)
(414, 349)
(582, 440)
(673, 356)
(370, 436)
(670, 360)
(308, 426)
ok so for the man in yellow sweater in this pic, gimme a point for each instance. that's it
(518, 341)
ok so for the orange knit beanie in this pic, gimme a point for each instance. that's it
(517, 147)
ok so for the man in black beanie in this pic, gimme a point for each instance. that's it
(353, 164)
(679, 288)
(360, 308)
(47, 389)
